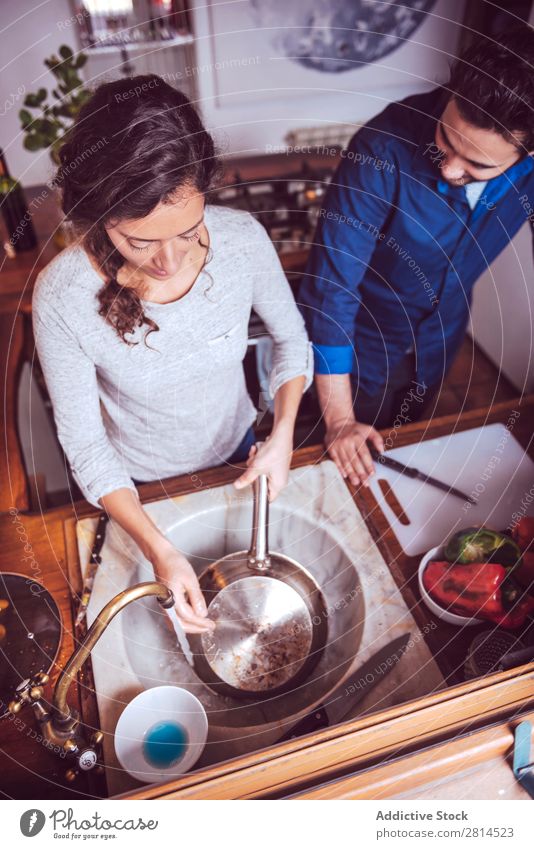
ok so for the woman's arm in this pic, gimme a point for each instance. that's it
(71, 380)
(273, 458)
(170, 566)
(286, 404)
(275, 304)
(97, 468)
(292, 361)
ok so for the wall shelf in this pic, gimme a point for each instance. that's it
(177, 41)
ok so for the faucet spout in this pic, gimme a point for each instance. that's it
(62, 714)
(60, 727)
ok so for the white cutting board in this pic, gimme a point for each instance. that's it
(486, 462)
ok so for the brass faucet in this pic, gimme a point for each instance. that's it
(60, 725)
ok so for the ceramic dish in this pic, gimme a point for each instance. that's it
(437, 610)
(161, 734)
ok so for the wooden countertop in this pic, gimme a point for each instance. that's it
(404, 568)
(27, 769)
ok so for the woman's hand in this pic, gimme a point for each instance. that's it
(271, 458)
(175, 570)
(346, 444)
(170, 566)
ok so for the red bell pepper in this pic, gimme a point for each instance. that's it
(478, 590)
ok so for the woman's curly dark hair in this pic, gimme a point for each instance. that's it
(134, 143)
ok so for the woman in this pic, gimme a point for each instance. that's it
(141, 324)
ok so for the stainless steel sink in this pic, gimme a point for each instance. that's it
(220, 530)
(314, 521)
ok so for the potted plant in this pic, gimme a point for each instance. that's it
(48, 127)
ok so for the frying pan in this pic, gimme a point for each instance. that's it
(271, 623)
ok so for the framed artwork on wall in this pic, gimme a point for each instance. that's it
(280, 49)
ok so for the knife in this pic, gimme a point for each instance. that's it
(94, 562)
(411, 472)
(341, 702)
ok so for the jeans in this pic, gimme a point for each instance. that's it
(403, 399)
(241, 452)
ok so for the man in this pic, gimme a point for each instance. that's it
(427, 194)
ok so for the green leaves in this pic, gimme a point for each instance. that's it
(25, 118)
(34, 141)
(65, 52)
(46, 130)
(35, 100)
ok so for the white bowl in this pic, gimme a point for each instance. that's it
(172, 712)
(440, 612)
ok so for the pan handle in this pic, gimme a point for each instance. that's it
(258, 556)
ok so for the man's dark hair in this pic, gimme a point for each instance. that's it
(493, 85)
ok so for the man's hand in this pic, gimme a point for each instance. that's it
(175, 570)
(346, 444)
(271, 458)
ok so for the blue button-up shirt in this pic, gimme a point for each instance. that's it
(398, 250)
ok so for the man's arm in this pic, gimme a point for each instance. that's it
(345, 437)
(356, 209)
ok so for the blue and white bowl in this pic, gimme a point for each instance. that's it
(161, 734)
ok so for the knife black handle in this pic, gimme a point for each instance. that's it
(382, 460)
(313, 721)
(100, 535)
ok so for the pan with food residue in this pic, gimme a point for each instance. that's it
(271, 625)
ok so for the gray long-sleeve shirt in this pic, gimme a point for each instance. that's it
(180, 405)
